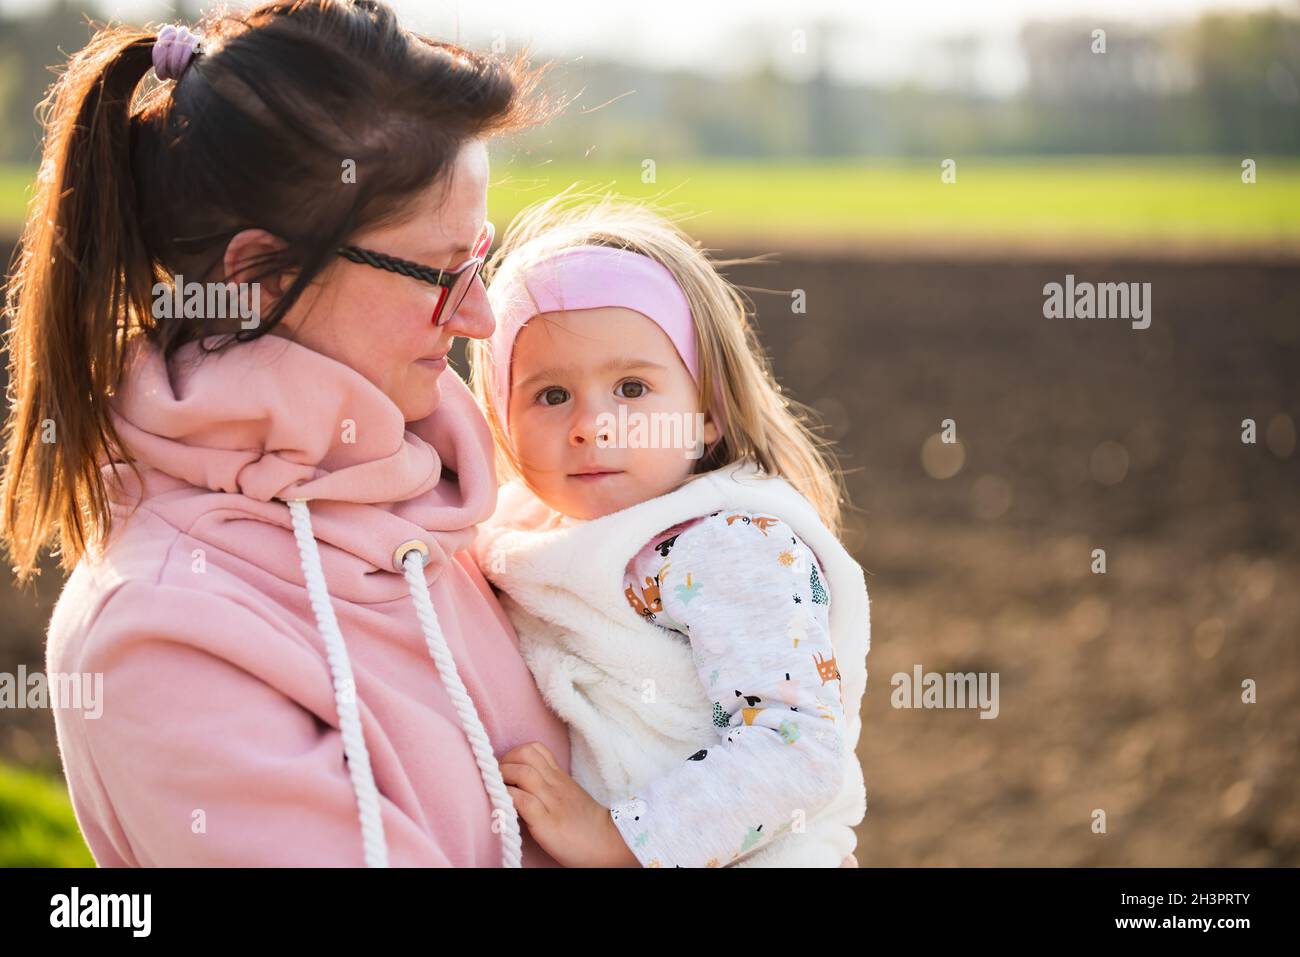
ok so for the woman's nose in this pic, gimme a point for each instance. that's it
(474, 318)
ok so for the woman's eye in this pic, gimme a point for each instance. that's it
(546, 395)
(639, 386)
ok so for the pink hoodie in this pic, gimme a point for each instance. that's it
(224, 717)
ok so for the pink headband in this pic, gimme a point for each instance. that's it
(586, 277)
(172, 50)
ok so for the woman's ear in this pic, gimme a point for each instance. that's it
(246, 252)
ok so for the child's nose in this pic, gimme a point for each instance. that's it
(589, 428)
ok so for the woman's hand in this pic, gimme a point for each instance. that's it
(565, 820)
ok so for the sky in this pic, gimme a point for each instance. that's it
(873, 40)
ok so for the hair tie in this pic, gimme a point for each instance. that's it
(172, 50)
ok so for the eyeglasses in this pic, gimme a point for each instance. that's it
(453, 284)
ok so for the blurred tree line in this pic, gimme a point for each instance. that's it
(1220, 84)
(1223, 83)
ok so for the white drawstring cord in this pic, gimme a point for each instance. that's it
(345, 696)
(354, 744)
(489, 770)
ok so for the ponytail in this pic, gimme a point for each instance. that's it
(82, 272)
(250, 136)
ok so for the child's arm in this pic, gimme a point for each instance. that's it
(757, 614)
(756, 611)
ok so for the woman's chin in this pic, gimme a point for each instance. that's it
(421, 405)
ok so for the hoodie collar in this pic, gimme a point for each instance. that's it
(269, 420)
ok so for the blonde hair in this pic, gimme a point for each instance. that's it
(762, 426)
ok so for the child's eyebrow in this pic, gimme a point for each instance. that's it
(622, 365)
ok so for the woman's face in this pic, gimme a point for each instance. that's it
(379, 322)
(571, 374)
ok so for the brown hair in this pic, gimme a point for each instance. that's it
(137, 185)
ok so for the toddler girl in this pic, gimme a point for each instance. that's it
(666, 549)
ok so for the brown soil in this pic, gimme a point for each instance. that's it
(1118, 692)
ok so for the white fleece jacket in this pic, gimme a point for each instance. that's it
(591, 653)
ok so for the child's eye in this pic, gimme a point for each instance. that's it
(545, 395)
(638, 385)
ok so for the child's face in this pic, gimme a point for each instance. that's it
(570, 373)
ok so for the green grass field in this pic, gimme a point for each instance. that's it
(1183, 201)
(37, 826)
(1093, 200)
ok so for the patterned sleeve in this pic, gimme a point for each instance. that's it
(750, 596)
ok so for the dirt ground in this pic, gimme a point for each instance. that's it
(1118, 692)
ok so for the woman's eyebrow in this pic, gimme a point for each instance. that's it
(451, 254)
(621, 364)
(438, 252)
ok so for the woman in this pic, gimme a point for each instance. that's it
(266, 511)
(266, 588)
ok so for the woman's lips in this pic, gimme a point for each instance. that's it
(594, 476)
(436, 364)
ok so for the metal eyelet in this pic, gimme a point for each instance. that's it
(400, 552)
